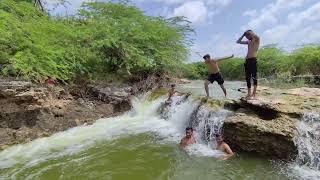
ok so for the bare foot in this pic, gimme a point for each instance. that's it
(253, 97)
(248, 97)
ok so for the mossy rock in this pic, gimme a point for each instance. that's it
(158, 93)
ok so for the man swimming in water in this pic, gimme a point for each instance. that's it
(188, 139)
(251, 61)
(224, 147)
(215, 74)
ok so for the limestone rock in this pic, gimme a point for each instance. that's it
(248, 132)
(293, 102)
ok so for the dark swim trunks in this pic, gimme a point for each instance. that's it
(251, 71)
(216, 77)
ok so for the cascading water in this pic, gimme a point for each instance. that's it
(143, 118)
(208, 123)
(140, 144)
(307, 164)
(205, 122)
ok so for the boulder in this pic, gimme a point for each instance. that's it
(247, 132)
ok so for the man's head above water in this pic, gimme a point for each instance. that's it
(219, 138)
(189, 132)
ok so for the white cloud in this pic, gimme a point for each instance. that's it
(207, 2)
(250, 13)
(300, 28)
(218, 45)
(270, 13)
(218, 2)
(195, 11)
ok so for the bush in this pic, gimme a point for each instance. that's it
(272, 62)
(104, 38)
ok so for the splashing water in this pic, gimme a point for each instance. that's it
(139, 144)
(143, 118)
(307, 164)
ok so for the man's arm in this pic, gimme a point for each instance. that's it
(240, 41)
(170, 94)
(229, 152)
(224, 58)
(180, 93)
(182, 144)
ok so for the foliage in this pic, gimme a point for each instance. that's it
(272, 62)
(103, 39)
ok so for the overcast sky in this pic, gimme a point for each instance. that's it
(218, 23)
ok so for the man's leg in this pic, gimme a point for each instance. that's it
(248, 79)
(224, 90)
(220, 80)
(206, 87)
(255, 80)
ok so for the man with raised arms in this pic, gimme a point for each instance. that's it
(214, 73)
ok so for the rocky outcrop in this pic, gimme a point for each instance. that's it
(246, 131)
(29, 111)
(292, 102)
(267, 125)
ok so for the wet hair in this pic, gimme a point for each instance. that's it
(173, 85)
(189, 128)
(247, 31)
(206, 56)
(218, 135)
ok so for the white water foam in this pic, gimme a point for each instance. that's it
(307, 164)
(201, 150)
(143, 118)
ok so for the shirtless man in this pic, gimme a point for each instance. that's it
(250, 65)
(173, 91)
(188, 139)
(224, 147)
(215, 74)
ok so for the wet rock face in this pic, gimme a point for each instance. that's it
(267, 125)
(274, 138)
(28, 111)
(117, 96)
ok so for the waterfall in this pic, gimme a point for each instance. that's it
(307, 140)
(201, 118)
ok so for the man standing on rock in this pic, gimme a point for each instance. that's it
(215, 74)
(250, 65)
